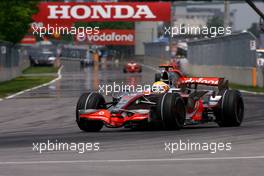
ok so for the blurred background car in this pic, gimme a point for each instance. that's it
(132, 67)
(42, 58)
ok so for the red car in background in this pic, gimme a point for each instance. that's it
(132, 67)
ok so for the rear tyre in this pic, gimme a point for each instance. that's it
(231, 111)
(89, 101)
(157, 77)
(171, 110)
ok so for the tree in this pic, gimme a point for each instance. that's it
(15, 19)
(255, 29)
(215, 21)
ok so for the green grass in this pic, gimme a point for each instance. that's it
(37, 70)
(22, 83)
(247, 88)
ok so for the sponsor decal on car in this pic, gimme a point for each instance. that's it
(210, 81)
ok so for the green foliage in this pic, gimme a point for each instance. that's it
(216, 21)
(15, 17)
(37, 70)
(255, 29)
(22, 83)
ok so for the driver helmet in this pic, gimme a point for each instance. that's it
(165, 77)
(160, 87)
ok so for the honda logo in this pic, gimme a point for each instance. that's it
(68, 13)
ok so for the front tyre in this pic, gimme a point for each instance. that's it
(231, 112)
(171, 110)
(89, 101)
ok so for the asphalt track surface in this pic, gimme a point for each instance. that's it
(48, 114)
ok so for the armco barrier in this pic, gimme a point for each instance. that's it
(13, 59)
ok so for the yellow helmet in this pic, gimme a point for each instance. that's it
(160, 87)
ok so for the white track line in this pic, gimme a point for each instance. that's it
(249, 92)
(42, 85)
(128, 161)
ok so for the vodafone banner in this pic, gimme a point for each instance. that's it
(60, 12)
(108, 37)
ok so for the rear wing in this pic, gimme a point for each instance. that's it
(165, 66)
(210, 81)
(168, 66)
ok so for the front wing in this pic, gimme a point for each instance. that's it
(111, 119)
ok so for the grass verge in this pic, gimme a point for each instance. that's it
(43, 69)
(21, 83)
(246, 88)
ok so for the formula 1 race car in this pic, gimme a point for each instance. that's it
(132, 67)
(170, 109)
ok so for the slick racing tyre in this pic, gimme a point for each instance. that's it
(91, 101)
(157, 77)
(231, 111)
(171, 110)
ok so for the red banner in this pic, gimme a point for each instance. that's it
(68, 13)
(108, 37)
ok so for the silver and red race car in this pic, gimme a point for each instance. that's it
(132, 67)
(192, 101)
